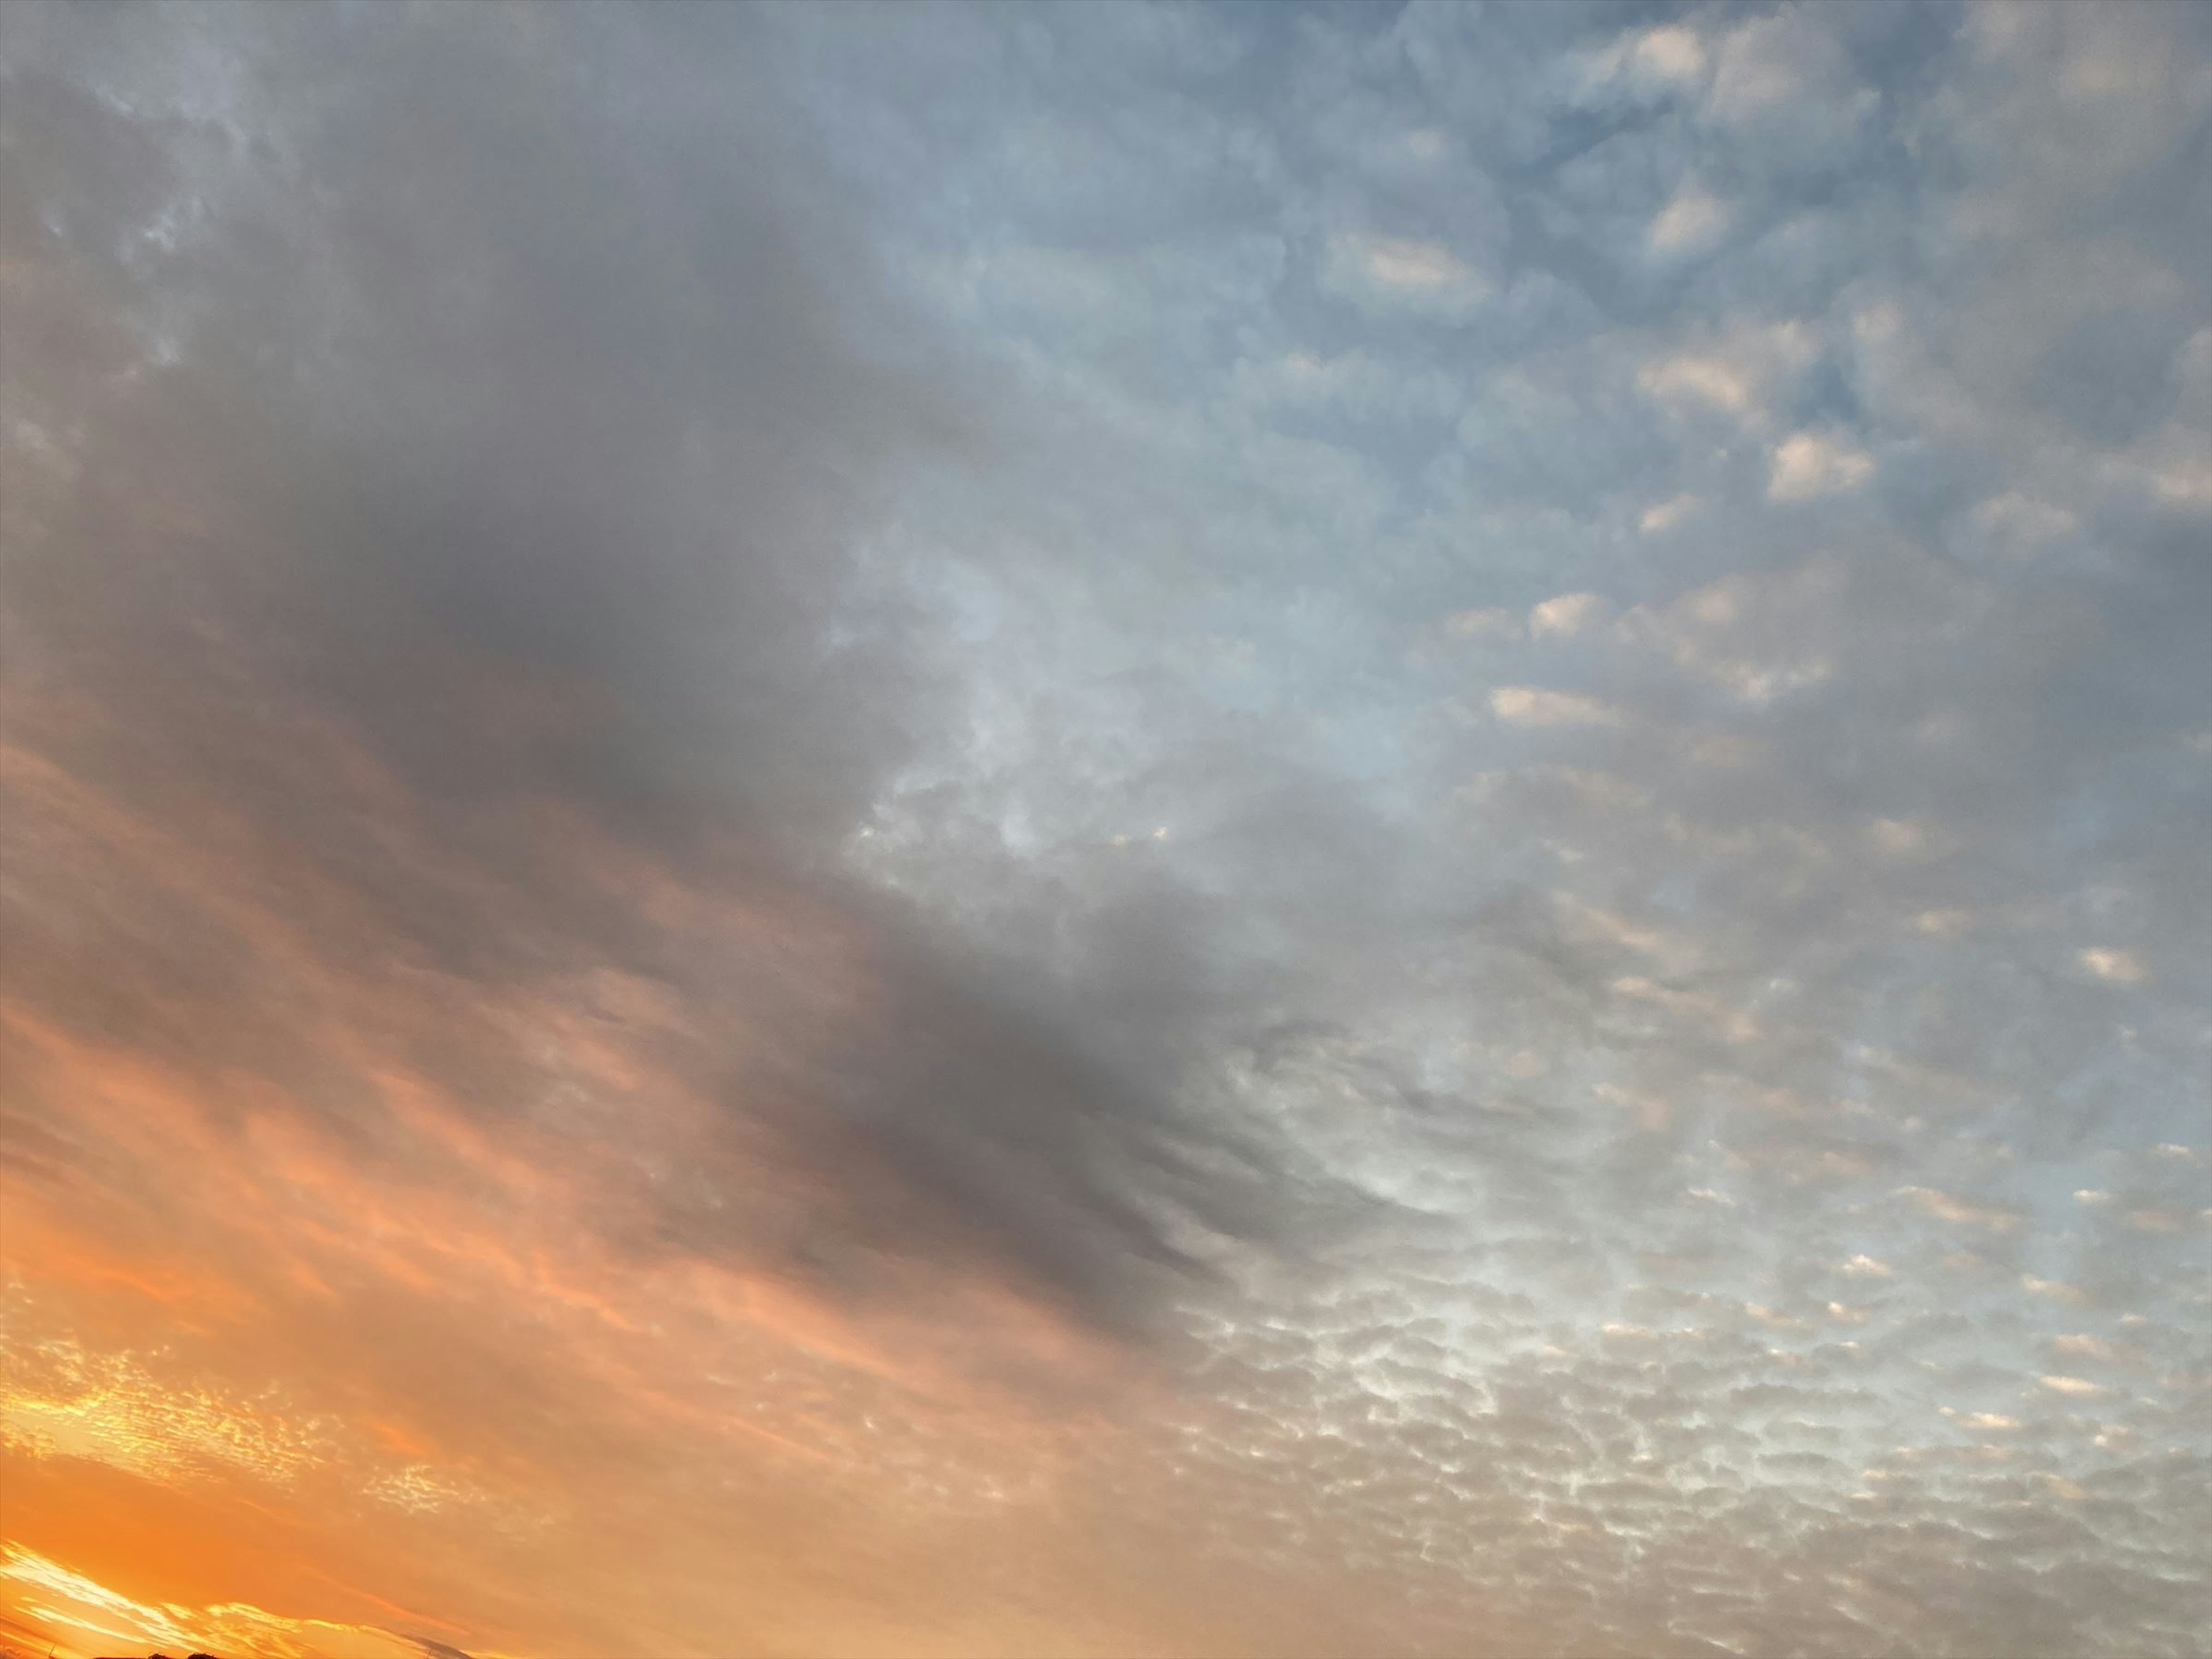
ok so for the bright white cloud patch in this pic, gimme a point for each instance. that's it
(1405, 274)
(2075, 1388)
(1662, 516)
(1807, 465)
(2107, 962)
(1530, 705)
(1693, 220)
(1566, 614)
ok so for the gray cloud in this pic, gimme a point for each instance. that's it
(1496, 722)
(463, 487)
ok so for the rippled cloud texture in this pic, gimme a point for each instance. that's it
(849, 831)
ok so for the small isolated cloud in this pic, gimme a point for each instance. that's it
(2079, 1388)
(1947, 1206)
(1531, 705)
(1700, 377)
(1662, 516)
(2052, 1290)
(1745, 372)
(2119, 967)
(2186, 485)
(1865, 1266)
(1691, 222)
(1566, 614)
(1649, 62)
(1669, 53)
(1402, 274)
(1808, 465)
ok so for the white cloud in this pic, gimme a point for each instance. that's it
(1565, 614)
(1690, 377)
(1640, 67)
(1669, 51)
(1531, 705)
(2077, 1387)
(2106, 963)
(1758, 71)
(1961, 1212)
(1808, 465)
(1662, 516)
(1740, 372)
(1406, 274)
(1754, 636)
(1865, 1266)
(1691, 221)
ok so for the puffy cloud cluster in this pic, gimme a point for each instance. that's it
(1126, 827)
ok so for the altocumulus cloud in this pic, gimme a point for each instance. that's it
(1108, 828)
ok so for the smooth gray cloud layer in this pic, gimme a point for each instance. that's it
(1510, 710)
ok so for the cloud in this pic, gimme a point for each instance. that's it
(750, 821)
(1662, 516)
(1693, 220)
(562, 562)
(2120, 967)
(1808, 465)
(1788, 81)
(1663, 56)
(2073, 1387)
(91, 1613)
(1946, 1206)
(1565, 614)
(1530, 705)
(1406, 274)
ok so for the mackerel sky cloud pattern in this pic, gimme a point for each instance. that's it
(1106, 828)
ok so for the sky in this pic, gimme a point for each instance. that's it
(850, 830)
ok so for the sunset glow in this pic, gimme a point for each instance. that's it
(847, 832)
